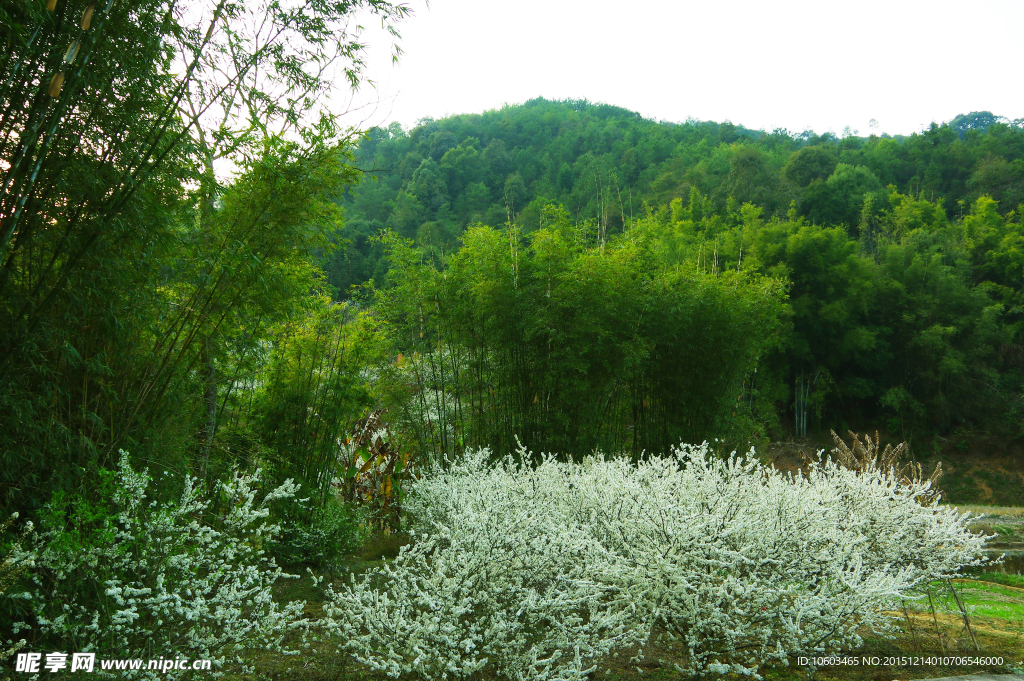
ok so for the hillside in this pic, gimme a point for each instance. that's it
(610, 165)
(902, 260)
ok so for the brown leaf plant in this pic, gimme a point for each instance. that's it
(863, 455)
(374, 471)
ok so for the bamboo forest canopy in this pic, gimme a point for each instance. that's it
(564, 272)
(138, 286)
(899, 261)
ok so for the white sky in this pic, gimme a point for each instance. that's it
(795, 64)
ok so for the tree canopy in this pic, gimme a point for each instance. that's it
(896, 256)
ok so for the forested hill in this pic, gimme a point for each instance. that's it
(900, 260)
(607, 164)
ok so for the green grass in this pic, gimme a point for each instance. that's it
(985, 599)
(1001, 578)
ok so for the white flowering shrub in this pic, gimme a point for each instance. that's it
(149, 580)
(537, 571)
(501, 580)
(744, 564)
(14, 562)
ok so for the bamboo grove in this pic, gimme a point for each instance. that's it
(168, 182)
(561, 339)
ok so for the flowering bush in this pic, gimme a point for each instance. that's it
(537, 571)
(132, 579)
(14, 562)
(501, 579)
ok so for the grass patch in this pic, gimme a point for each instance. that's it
(382, 546)
(1006, 579)
(986, 599)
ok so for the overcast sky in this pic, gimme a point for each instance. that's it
(793, 64)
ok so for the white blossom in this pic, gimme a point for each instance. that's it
(537, 571)
(170, 583)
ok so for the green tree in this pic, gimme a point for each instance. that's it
(839, 199)
(810, 164)
(569, 341)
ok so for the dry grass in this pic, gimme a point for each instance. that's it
(991, 511)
